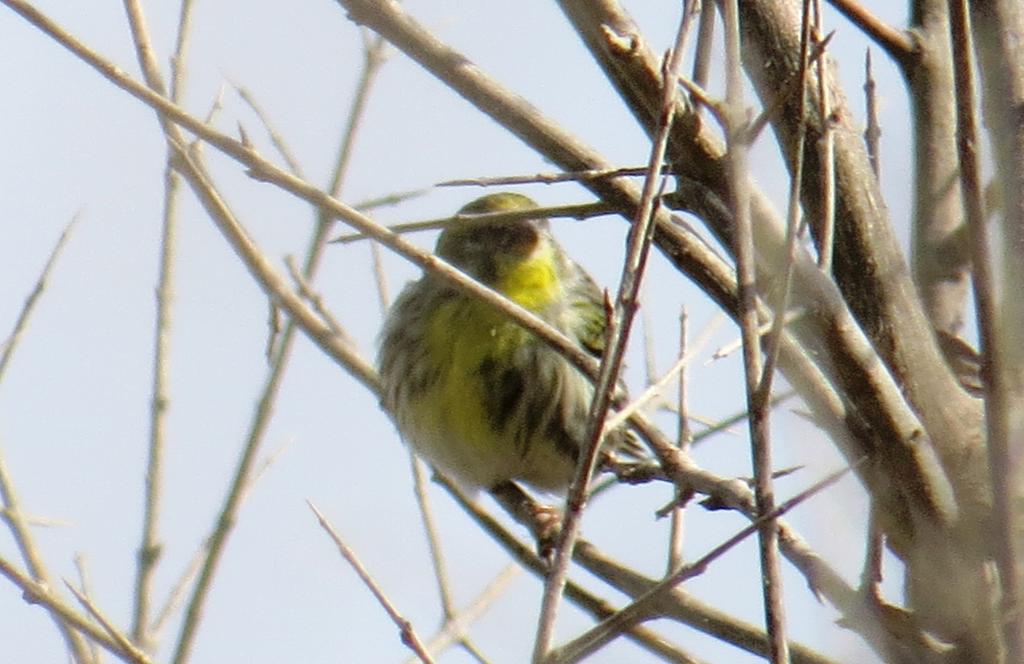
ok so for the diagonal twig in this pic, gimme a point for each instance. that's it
(619, 326)
(641, 607)
(753, 364)
(897, 43)
(409, 636)
(10, 344)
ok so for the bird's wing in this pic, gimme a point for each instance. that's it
(590, 322)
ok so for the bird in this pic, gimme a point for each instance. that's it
(485, 401)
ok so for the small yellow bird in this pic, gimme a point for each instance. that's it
(474, 393)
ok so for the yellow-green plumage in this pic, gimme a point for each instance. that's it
(477, 395)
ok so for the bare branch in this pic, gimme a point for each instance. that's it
(33, 558)
(873, 132)
(619, 328)
(679, 606)
(39, 593)
(580, 211)
(641, 607)
(409, 636)
(10, 344)
(896, 43)
(753, 365)
(150, 546)
(998, 28)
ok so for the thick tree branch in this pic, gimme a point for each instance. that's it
(939, 255)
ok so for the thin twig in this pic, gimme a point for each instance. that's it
(388, 200)
(897, 43)
(726, 422)
(676, 606)
(10, 344)
(36, 520)
(39, 592)
(773, 341)
(315, 299)
(642, 606)
(583, 598)
(379, 279)
(728, 349)
(883, 631)
(650, 360)
(473, 651)
(655, 389)
(374, 57)
(34, 560)
(871, 573)
(82, 567)
(611, 362)
(793, 84)
(552, 178)
(276, 139)
(180, 589)
(873, 131)
(176, 597)
(118, 637)
(409, 636)
(826, 150)
(705, 42)
(433, 538)
(180, 48)
(454, 627)
(736, 133)
(701, 98)
(684, 438)
(578, 211)
(273, 331)
(150, 546)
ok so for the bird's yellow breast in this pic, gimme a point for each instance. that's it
(467, 340)
(532, 283)
(451, 423)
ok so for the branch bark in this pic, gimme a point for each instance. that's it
(998, 27)
(939, 254)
